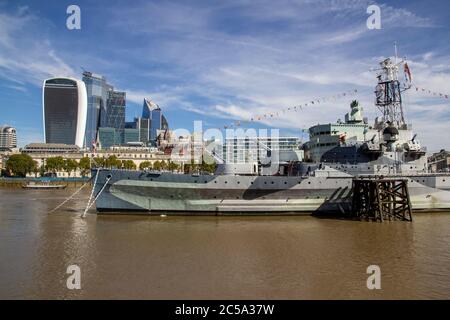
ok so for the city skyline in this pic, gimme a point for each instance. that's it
(232, 61)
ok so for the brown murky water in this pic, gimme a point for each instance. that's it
(213, 257)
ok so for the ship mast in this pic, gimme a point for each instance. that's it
(388, 93)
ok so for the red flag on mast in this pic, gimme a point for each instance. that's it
(408, 72)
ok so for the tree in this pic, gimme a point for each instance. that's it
(84, 165)
(70, 165)
(164, 165)
(145, 165)
(157, 165)
(42, 170)
(191, 167)
(36, 170)
(113, 162)
(55, 164)
(99, 162)
(208, 167)
(173, 166)
(20, 165)
(129, 165)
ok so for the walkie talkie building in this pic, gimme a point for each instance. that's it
(64, 103)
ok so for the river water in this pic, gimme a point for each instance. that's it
(213, 257)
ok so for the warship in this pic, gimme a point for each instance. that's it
(316, 178)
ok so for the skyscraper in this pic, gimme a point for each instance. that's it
(115, 113)
(152, 111)
(106, 110)
(8, 138)
(64, 103)
(144, 125)
(97, 95)
(107, 137)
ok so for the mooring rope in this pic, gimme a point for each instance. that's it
(92, 192)
(96, 197)
(69, 198)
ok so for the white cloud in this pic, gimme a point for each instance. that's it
(25, 57)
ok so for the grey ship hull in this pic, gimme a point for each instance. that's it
(179, 194)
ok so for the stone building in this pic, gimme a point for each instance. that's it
(439, 161)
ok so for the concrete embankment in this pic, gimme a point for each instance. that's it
(19, 182)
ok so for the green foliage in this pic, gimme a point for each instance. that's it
(113, 162)
(99, 161)
(42, 170)
(129, 165)
(191, 168)
(173, 166)
(157, 165)
(164, 165)
(20, 165)
(208, 167)
(200, 168)
(85, 166)
(70, 165)
(145, 165)
(54, 164)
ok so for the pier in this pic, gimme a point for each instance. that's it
(381, 199)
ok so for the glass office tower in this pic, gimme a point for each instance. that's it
(64, 104)
(107, 137)
(115, 114)
(144, 125)
(131, 135)
(97, 95)
(153, 112)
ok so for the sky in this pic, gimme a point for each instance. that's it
(224, 61)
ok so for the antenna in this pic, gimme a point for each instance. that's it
(396, 52)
